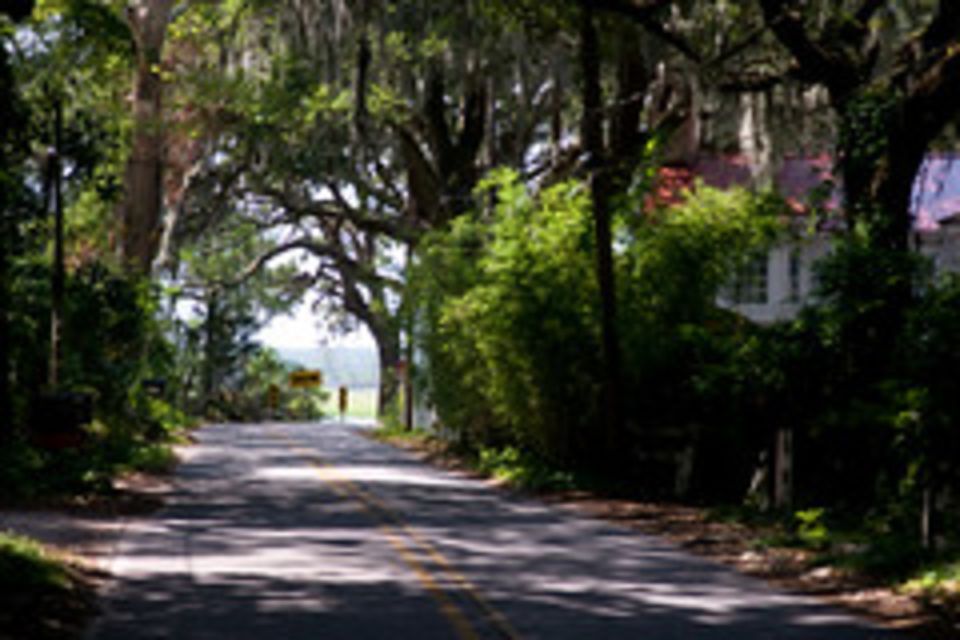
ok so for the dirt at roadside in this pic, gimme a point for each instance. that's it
(737, 545)
(84, 533)
(86, 529)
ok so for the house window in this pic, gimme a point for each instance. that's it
(795, 274)
(750, 282)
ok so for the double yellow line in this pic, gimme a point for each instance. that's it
(411, 547)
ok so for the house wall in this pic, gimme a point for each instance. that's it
(943, 247)
(787, 293)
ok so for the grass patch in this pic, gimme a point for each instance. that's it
(153, 458)
(861, 548)
(523, 470)
(43, 598)
(394, 432)
(510, 465)
(938, 582)
(25, 564)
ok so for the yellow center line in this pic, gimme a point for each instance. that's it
(393, 532)
(451, 611)
(495, 617)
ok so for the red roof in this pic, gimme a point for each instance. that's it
(936, 189)
(795, 179)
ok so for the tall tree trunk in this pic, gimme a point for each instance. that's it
(601, 187)
(11, 149)
(6, 410)
(881, 155)
(210, 346)
(893, 190)
(385, 331)
(8, 100)
(388, 350)
(140, 210)
(58, 273)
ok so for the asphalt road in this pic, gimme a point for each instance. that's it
(289, 531)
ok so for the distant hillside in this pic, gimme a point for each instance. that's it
(346, 366)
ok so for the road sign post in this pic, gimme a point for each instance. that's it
(406, 384)
(273, 399)
(343, 401)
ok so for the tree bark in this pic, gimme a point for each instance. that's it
(388, 349)
(140, 210)
(879, 158)
(441, 182)
(385, 331)
(7, 229)
(11, 149)
(58, 273)
(601, 187)
(210, 356)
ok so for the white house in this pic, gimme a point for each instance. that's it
(774, 287)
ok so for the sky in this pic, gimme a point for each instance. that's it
(300, 330)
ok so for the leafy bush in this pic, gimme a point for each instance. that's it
(20, 467)
(513, 341)
(522, 469)
(509, 313)
(811, 529)
(692, 366)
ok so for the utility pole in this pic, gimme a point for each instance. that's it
(601, 186)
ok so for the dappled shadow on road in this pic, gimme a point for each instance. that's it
(556, 575)
(260, 542)
(237, 555)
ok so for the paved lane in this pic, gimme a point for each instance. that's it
(284, 531)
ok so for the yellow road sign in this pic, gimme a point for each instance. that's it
(305, 379)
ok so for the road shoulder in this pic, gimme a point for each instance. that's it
(729, 543)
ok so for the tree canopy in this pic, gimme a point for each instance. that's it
(505, 195)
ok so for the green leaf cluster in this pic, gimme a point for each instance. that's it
(511, 311)
(512, 323)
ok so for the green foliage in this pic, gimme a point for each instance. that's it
(693, 360)
(937, 581)
(112, 341)
(20, 467)
(811, 529)
(155, 458)
(224, 373)
(109, 326)
(44, 597)
(512, 329)
(933, 403)
(522, 470)
(854, 350)
(394, 431)
(680, 257)
(25, 565)
(245, 396)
